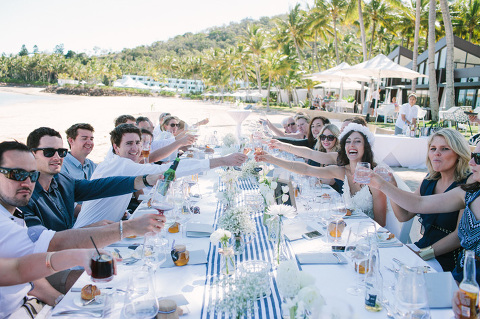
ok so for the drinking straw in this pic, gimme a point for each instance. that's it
(95, 246)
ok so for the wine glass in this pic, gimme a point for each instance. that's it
(140, 298)
(410, 294)
(155, 250)
(162, 201)
(358, 249)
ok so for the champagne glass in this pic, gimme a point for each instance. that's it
(146, 150)
(362, 173)
(358, 250)
(140, 298)
(154, 250)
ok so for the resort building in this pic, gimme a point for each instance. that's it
(180, 85)
(467, 73)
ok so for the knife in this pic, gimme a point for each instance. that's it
(82, 313)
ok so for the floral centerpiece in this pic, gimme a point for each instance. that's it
(249, 169)
(229, 144)
(229, 178)
(237, 220)
(222, 237)
(276, 213)
(300, 296)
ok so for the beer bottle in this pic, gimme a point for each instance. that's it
(373, 283)
(469, 288)
(169, 176)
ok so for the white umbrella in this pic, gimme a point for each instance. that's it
(337, 74)
(347, 85)
(382, 67)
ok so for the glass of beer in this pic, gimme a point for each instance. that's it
(146, 150)
(102, 267)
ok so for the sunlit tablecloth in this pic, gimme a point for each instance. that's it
(397, 150)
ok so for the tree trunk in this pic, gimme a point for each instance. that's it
(373, 39)
(418, 4)
(432, 78)
(268, 93)
(315, 54)
(259, 79)
(450, 90)
(298, 52)
(362, 30)
(336, 39)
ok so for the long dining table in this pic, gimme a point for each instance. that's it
(192, 281)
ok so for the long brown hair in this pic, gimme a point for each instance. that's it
(313, 139)
(343, 159)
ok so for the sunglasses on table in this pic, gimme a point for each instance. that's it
(291, 124)
(329, 138)
(476, 158)
(173, 125)
(18, 174)
(50, 152)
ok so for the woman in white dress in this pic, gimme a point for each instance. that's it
(355, 146)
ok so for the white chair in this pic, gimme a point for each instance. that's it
(421, 115)
(401, 230)
(386, 110)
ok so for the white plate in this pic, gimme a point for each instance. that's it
(97, 304)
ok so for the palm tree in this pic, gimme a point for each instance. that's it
(447, 22)
(317, 24)
(275, 65)
(256, 42)
(467, 20)
(337, 10)
(295, 29)
(415, 41)
(432, 75)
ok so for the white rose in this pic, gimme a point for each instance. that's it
(285, 189)
(274, 185)
(310, 296)
(284, 198)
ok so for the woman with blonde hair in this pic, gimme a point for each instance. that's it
(447, 163)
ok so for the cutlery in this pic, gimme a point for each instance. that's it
(81, 313)
(87, 302)
(130, 261)
(398, 262)
(101, 288)
(338, 258)
(118, 252)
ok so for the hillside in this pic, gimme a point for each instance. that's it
(194, 43)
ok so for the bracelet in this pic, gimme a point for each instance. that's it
(145, 182)
(121, 229)
(48, 261)
(427, 253)
(59, 298)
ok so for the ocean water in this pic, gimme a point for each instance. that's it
(13, 98)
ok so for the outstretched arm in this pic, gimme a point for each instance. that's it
(305, 152)
(302, 168)
(163, 152)
(439, 203)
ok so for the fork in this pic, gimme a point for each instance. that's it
(338, 258)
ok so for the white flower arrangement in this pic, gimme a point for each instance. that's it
(282, 210)
(248, 169)
(229, 176)
(229, 140)
(220, 236)
(237, 220)
(298, 290)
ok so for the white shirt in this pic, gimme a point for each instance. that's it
(16, 240)
(113, 208)
(411, 112)
(167, 138)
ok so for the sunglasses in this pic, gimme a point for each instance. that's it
(50, 152)
(329, 138)
(173, 125)
(19, 175)
(476, 158)
(291, 124)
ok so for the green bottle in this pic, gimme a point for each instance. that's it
(168, 176)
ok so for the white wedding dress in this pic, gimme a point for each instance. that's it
(363, 201)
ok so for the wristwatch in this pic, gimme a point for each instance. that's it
(145, 182)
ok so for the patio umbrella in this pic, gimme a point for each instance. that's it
(347, 85)
(382, 67)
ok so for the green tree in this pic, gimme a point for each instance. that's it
(23, 51)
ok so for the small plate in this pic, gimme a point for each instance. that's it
(99, 303)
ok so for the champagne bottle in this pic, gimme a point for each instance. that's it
(169, 176)
(469, 288)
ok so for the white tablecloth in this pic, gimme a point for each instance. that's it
(397, 150)
(332, 280)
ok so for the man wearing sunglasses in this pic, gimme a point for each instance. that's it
(18, 175)
(126, 141)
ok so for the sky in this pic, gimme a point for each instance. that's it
(116, 24)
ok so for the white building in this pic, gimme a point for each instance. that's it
(180, 85)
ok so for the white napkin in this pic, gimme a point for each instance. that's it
(320, 258)
(440, 289)
(199, 230)
(294, 231)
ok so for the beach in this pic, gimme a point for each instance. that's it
(28, 108)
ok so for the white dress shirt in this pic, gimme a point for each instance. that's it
(410, 112)
(16, 240)
(113, 208)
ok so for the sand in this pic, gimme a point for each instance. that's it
(19, 119)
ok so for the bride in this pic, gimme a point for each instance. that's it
(355, 146)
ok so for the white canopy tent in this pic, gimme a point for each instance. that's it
(382, 67)
(346, 85)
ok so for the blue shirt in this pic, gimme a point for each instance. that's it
(54, 208)
(73, 168)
